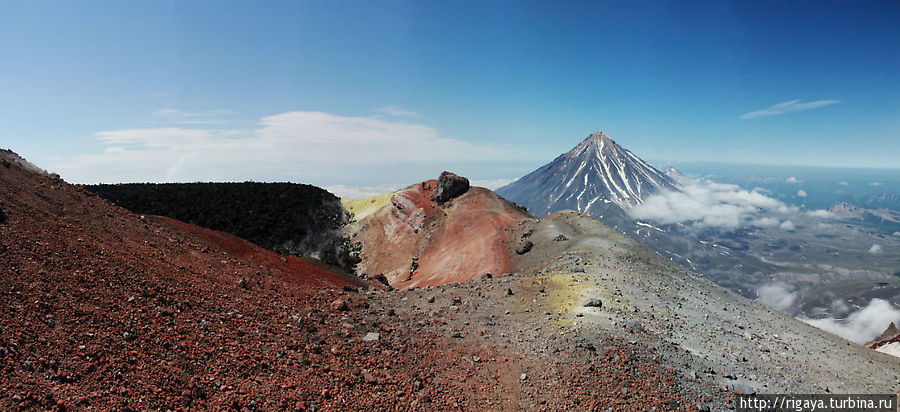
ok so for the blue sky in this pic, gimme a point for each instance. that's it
(352, 95)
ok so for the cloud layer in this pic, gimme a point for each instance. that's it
(788, 107)
(712, 204)
(779, 296)
(861, 326)
(345, 152)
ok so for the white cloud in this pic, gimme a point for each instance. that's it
(875, 249)
(182, 117)
(792, 180)
(861, 326)
(844, 183)
(801, 193)
(397, 111)
(766, 222)
(788, 107)
(897, 234)
(712, 204)
(875, 184)
(820, 213)
(493, 183)
(787, 225)
(301, 146)
(778, 296)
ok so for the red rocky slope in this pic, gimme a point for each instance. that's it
(418, 241)
(100, 308)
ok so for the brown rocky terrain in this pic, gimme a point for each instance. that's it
(107, 310)
(104, 309)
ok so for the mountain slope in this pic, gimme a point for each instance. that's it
(288, 218)
(597, 177)
(102, 309)
(415, 241)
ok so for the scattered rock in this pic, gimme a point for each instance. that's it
(560, 238)
(369, 378)
(339, 305)
(371, 336)
(635, 326)
(509, 292)
(593, 303)
(380, 278)
(742, 388)
(525, 247)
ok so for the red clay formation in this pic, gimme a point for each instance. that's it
(417, 242)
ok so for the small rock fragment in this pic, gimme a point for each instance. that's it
(339, 305)
(635, 326)
(593, 303)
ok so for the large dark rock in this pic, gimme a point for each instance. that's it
(525, 247)
(449, 186)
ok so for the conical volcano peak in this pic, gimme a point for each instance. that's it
(599, 138)
(596, 142)
(594, 173)
(599, 135)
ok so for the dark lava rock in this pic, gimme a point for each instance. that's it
(380, 278)
(449, 186)
(561, 238)
(525, 247)
(2, 215)
(287, 218)
(593, 303)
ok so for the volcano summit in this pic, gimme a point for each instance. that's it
(598, 176)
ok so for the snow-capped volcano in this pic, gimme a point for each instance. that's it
(596, 173)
